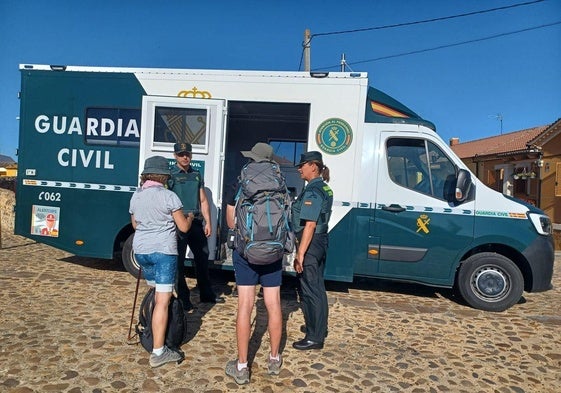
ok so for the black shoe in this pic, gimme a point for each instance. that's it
(213, 300)
(303, 330)
(306, 344)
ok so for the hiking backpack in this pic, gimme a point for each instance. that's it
(262, 233)
(176, 331)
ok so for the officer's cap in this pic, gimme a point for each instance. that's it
(182, 147)
(310, 156)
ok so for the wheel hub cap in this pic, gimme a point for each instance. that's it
(491, 283)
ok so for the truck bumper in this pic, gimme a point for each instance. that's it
(541, 255)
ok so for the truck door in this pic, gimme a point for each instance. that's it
(201, 122)
(422, 229)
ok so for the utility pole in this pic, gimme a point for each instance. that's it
(307, 49)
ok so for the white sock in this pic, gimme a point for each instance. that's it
(241, 366)
(277, 358)
(158, 351)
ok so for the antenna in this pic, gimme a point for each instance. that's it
(344, 63)
(499, 117)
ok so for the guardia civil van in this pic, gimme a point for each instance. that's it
(406, 208)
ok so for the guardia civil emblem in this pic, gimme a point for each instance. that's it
(334, 136)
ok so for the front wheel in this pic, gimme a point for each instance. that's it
(127, 256)
(490, 282)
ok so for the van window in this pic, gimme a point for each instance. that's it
(180, 124)
(113, 126)
(287, 152)
(420, 165)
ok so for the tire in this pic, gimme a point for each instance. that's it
(127, 256)
(490, 282)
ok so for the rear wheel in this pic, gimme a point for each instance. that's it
(127, 256)
(490, 282)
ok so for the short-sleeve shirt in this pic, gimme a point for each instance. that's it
(155, 230)
(231, 193)
(313, 204)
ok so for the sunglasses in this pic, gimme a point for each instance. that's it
(183, 154)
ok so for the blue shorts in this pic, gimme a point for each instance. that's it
(158, 269)
(250, 274)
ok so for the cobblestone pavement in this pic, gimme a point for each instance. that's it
(65, 320)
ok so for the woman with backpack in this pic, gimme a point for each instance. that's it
(155, 212)
(310, 218)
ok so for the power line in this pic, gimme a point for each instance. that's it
(304, 44)
(426, 20)
(446, 46)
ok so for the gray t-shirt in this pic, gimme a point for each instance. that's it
(155, 230)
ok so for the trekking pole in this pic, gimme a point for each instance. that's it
(134, 303)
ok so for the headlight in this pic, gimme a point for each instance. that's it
(541, 223)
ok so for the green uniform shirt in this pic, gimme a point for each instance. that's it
(187, 186)
(313, 204)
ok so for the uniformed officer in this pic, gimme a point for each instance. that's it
(310, 217)
(188, 184)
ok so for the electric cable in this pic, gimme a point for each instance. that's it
(426, 20)
(445, 46)
(413, 23)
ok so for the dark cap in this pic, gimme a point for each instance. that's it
(260, 152)
(310, 156)
(156, 165)
(182, 147)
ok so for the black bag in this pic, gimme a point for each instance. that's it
(176, 332)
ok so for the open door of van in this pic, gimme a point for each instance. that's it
(199, 121)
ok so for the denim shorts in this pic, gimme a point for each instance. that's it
(250, 274)
(159, 270)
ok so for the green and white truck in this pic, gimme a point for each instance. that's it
(406, 207)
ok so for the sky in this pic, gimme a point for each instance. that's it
(449, 71)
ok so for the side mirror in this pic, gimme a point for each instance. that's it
(463, 185)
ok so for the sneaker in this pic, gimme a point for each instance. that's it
(167, 356)
(241, 377)
(273, 366)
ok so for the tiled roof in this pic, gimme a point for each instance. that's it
(6, 161)
(505, 143)
(550, 132)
